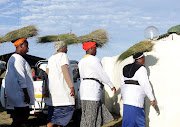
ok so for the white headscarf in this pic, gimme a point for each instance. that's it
(59, 44)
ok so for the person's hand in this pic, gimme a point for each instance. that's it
(114, 89)
(153, 102)
(72, 91)
(26, 98)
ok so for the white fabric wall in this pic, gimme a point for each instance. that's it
(163, 66)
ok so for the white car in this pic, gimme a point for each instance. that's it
(2, 92)
(39, 76)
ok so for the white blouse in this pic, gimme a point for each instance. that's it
(91, 67)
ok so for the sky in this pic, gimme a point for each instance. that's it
(123, 20)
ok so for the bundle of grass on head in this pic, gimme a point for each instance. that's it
(24, 32)
(143, 46)
(1, 38)
(99, 36)
(174, 29)
(66, 38)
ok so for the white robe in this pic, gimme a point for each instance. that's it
(91, 67)
(18, 76)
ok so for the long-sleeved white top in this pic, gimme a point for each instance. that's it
(18, 76)
(91, 67)
(134, 94)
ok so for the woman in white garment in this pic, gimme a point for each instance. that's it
(19, 84)
(61, 90)
(94, 113)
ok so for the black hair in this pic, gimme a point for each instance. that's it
(135, 56)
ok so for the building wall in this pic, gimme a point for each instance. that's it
(163, 67)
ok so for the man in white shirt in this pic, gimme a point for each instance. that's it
(134, 87)
(61, 89)
(94, 113)
(19, 84)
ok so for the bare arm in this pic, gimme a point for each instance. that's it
(46, 92)
(68, 78)
(47, 70)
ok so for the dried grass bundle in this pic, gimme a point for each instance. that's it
(163, 36)
(24, 32)
(174, 29)
(143, 46)
(99, 36)
(67, 38)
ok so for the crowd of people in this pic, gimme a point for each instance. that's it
(60, 100)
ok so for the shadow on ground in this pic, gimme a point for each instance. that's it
(40, 121)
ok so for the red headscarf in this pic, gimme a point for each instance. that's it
(88, 45)
(19, 41)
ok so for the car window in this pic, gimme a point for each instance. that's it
(73, 62)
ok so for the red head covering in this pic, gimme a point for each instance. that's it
(88, 45)
(19, 41)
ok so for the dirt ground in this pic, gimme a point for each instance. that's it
(5, 121)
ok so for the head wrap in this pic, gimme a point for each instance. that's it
(88, 45)
(59, 44)
(138, 55)
(18, 42)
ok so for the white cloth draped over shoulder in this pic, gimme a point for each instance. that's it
(18, 76)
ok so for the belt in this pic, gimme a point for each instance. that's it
(133, 82)
(94, 80)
